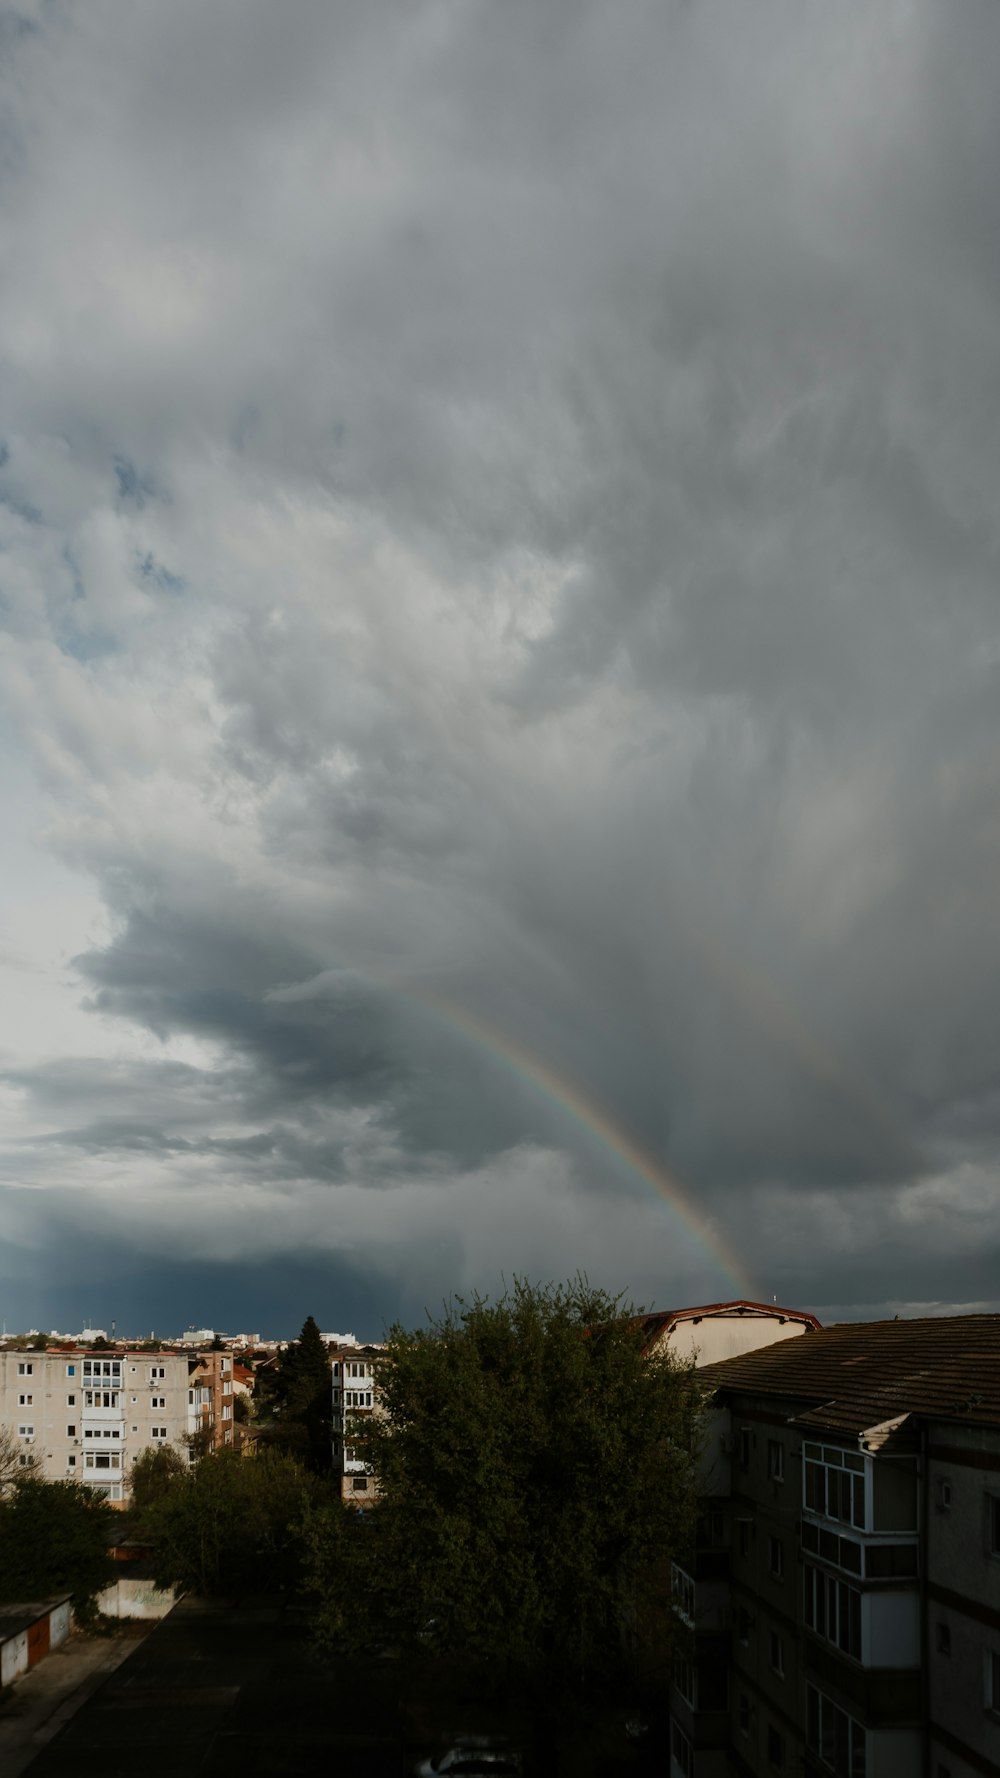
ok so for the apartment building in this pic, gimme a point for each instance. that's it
(354, 1381)
(85, 1416)
(844, 1597)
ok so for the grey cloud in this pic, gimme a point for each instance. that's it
(500, 526)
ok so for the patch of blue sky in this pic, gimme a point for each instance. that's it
(133, 488)
(156, 575)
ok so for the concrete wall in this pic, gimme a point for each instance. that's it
(727, 1336)
(135, 1599)
(32, 1631)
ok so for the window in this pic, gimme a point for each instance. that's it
(71, 1370)
(744, 1447)
(943, 1494)
(833, 1483)
(744, 1534)
(775, 1556)
(227, 1412)
(775, 1460)
(359, 1483)
(26, 1432)
(158, 1432)
(775, 1748)
(25, 1401)
(682, 1751)
(71, 1460)
(744, 1714)
(682, 1590)
(839, 1741)
(744, 1625)
(776, 1652)
(942, 1639)
(102, 1460)
(71, 1401)
(684, 1678)
(833, 1611)
(71, 1431)
(992, 1677)
(157, 1372)
(993, 1524)
(25, 1370)
(25, 1461)
(158, 1401)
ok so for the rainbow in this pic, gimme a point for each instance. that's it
(552, 1086)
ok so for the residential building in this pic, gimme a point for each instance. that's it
(85, 1415)
(722, 1330)
(354, 1381)
(844, 1597)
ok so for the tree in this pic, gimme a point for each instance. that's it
(12, 1466)
(155, 1471)
(228, 1525)
(54, 1538)
(295, 1403)
(535, 1475)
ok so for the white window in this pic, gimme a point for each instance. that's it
(227, 1412)
(993, 1524)
(25, 1461)
(682, 1591)
(71, 1430)
(839, 1741)
(158, 1432)
(26, 1432)
(25, 1370)
(158, 1401)
(992, 1680)
(157, 1372)
(102, 1460)
(71, 1401)
(833, 1483)
(833, 1610)
(775, 1460)
(25, 1401)
(682, 1751)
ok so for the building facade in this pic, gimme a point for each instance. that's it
(844, 1596)
(85, 1416)
(354, 1382)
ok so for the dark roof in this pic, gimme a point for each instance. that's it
(860, 1374)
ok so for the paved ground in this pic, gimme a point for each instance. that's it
(42, 1701)
(214, 1691)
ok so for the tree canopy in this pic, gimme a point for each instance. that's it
(54, 1537)
(535, 1475)
(228, 1525)
(293, 1400)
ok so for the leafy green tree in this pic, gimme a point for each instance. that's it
(228, 1525)
(54, 1538)
(155, 1471)
(535, 1475)
(295, 1402)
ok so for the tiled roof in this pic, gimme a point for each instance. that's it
(860, 1374)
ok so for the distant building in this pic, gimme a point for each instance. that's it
(84, 1415)
(844, 1595)
(354, 1382)
(722, 1330)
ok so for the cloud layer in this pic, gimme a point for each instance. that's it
(498, 586)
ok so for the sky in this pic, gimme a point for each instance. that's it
(499, 657)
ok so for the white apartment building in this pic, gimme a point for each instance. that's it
(355, 1396)
(85, 1416)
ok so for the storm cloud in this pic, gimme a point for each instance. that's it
(499, 653)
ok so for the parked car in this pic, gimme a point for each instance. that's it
(473, 1756)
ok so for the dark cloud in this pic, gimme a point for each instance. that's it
(498, 513)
